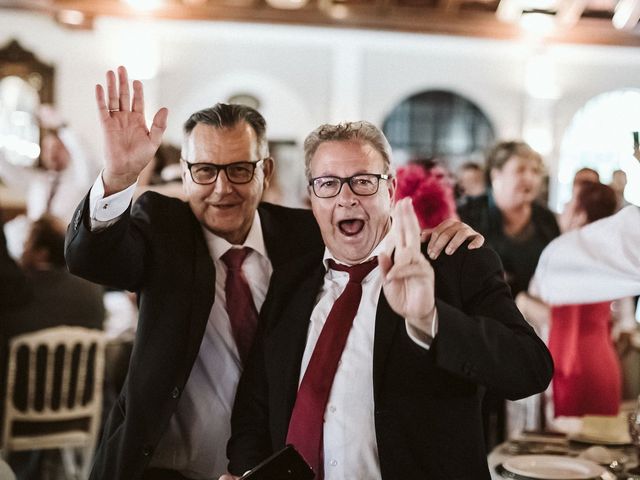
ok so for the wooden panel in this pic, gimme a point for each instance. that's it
(475, 18)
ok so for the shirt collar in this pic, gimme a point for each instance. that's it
(380, 248)
(218, 246)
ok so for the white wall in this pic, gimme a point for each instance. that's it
(307, 76)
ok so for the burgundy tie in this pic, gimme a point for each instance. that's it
(306, 424)
(240, 306)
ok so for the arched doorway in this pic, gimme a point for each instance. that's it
(439, 123)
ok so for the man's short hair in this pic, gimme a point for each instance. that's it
(473, 166)
(586, 174)
(224, 115)
(47, 233)
(362, 131)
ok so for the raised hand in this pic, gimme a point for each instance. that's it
(409, 279)
(129, 144)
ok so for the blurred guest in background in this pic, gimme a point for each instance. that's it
(619, 183)
(471, 181)
(587, 378)
(517, 228)
(607, 253)
(163, 174)
(437, 169)
(55, 187)
(432, 199)
(14, 287)
(514, 225)
(586, 174)
(58, 298)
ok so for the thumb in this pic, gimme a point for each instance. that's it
(158, 126)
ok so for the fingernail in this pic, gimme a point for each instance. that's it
(449, 250)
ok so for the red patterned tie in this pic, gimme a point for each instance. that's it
(242, 311)
(306, 424)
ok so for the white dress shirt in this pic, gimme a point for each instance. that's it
(598, 262)
(195, 442)
(350, 448)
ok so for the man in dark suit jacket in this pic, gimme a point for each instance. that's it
(426, 340)
(171, 419)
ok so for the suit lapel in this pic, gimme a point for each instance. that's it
(275, 241)
(286, 340)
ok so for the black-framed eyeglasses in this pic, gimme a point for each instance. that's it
(237, 172)
(363, 184)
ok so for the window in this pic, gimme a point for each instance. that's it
(439, 124)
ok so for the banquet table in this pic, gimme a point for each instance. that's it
(554, 446)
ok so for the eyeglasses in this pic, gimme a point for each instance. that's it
(207, 173)
(363, 184)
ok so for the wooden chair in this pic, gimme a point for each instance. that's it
(54, 394)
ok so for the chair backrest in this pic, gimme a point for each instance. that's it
(54, 375)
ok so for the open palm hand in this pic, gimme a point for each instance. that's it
(129, 144)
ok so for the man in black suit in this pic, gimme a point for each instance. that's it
(428, 337)
(171, 420)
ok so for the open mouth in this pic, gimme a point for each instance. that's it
(351, 227)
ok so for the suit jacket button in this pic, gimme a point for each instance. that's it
(175, 393)
(146, 451)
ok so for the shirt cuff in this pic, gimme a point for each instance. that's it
(107, 211)
(418, 337)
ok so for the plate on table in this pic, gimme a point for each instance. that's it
(596, 440)
(552, 467)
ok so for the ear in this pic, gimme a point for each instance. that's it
(184, 175)
(268, 167)
(392, 185)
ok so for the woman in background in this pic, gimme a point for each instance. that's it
(587, 378)
(514, 224)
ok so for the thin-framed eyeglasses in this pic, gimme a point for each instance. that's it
(363, 184)
(237, 172)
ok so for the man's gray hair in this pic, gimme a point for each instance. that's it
(224, 115)
(362, 131)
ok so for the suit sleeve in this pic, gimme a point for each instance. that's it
(487, 341)
(113, 256)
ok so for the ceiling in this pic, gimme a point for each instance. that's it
(605, 22)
